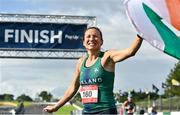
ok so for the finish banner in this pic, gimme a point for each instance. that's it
(41, 36)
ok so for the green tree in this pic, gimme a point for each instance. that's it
(8, 97)
(45, 96)
(174, 74)
(24, 97)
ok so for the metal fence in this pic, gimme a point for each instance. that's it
(168, 104)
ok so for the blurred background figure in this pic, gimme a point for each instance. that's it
(152, 110)
(129, 106)
(20, 108)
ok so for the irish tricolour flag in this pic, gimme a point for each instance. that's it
(158, 22)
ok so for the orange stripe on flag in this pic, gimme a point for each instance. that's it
(174, 9)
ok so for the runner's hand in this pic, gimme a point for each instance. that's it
(50, 109)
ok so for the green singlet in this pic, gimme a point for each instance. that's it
(97, 75)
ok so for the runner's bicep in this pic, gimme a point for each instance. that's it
(119, 55)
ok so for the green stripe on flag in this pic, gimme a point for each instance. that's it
(171, 40)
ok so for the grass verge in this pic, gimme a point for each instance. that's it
(65, 110)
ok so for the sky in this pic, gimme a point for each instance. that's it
(31, 76)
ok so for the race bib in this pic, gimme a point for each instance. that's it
(89, 94)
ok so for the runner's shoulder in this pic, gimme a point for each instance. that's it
(109, 52)
(80, 60)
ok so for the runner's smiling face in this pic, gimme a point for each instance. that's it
(92, 39)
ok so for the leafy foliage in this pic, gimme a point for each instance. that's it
(174, 74)
(46, 96)
(24, 97)
(7, 97)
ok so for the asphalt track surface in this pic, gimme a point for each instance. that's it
(36, 109)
